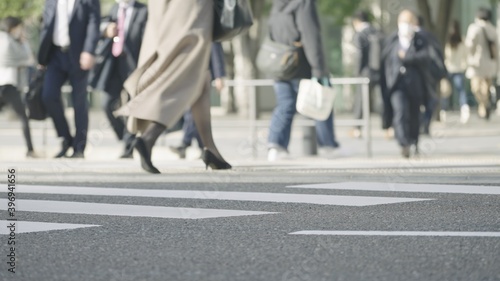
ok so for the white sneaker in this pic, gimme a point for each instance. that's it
(464, 114)
(442, 116)
(328, 152)
(277, 154)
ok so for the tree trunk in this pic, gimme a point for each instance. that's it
(440, 26)
(245, 48)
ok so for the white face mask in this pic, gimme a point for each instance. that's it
(406, 30)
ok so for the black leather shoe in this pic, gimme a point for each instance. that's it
(66, 145)
(77, 155)
(146, 163)
(213, 162)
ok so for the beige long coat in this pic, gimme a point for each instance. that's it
(172, 64)
(479, 60)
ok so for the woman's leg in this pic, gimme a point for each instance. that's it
(12, 96)
(203, 119)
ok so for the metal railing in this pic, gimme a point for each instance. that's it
(255, 123)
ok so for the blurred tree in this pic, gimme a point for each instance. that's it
(339, 10)
(25, 9)
(439, 25)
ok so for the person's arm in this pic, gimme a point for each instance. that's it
(87, 59)
(310, 29)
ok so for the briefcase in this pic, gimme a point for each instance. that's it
(33, 99)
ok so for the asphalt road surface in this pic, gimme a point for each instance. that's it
(386, 221)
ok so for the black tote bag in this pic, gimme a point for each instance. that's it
(33, 98)
(231, 18)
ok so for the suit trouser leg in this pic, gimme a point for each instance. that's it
(79, 95)
(400, 105)
(55, 77)
(113, 102)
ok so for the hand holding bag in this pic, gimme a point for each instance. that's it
(231, 18)
(315, 100)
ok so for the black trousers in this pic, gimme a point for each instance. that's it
(9, 94)
(60, 70)
(406, 103)
(112, 102)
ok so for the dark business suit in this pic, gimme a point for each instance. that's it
(63, 65)
(110, 72)
(402, 81)
(217, 70)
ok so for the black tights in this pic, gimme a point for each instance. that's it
(11, 95)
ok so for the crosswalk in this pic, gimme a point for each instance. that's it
(163, 212)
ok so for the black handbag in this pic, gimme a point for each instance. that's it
(280, 61)
(231, 18)
(33, 98)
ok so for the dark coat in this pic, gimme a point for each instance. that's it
(363, 46)
(298, 21)
(412, 68)
(83, 30)
(101, 73)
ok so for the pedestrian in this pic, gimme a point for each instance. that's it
(218, 72)
(367, 43)
(15, 56)
(297, 23)
(404, 60)
(119, 48)
(436, 70)
(69, 36)
(172, 75)
(456, 62)
(482, 47)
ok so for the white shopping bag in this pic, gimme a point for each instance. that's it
(314, 100)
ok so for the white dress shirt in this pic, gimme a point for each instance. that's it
(63, 18)
(128, 15)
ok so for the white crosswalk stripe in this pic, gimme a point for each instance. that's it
(63, 207)
(358, 201)
(30, 226)
(401, 187)
(128, 210)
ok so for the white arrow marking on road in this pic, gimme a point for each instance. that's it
(62, 207)
(401, 187)
(398, 233)
(219, 195)
(30, 226)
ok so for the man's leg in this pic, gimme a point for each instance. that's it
(79, 97)
(401, 122)
(55, 77)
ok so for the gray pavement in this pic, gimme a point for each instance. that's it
(436, 217)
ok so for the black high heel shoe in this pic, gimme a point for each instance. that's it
(146, 163)
(213, 162)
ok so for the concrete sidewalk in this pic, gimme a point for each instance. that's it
(476, 140)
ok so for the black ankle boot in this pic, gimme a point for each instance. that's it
(146, 163)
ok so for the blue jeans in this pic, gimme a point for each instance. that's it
(281, 122)
(190, 131)
(458, 84)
